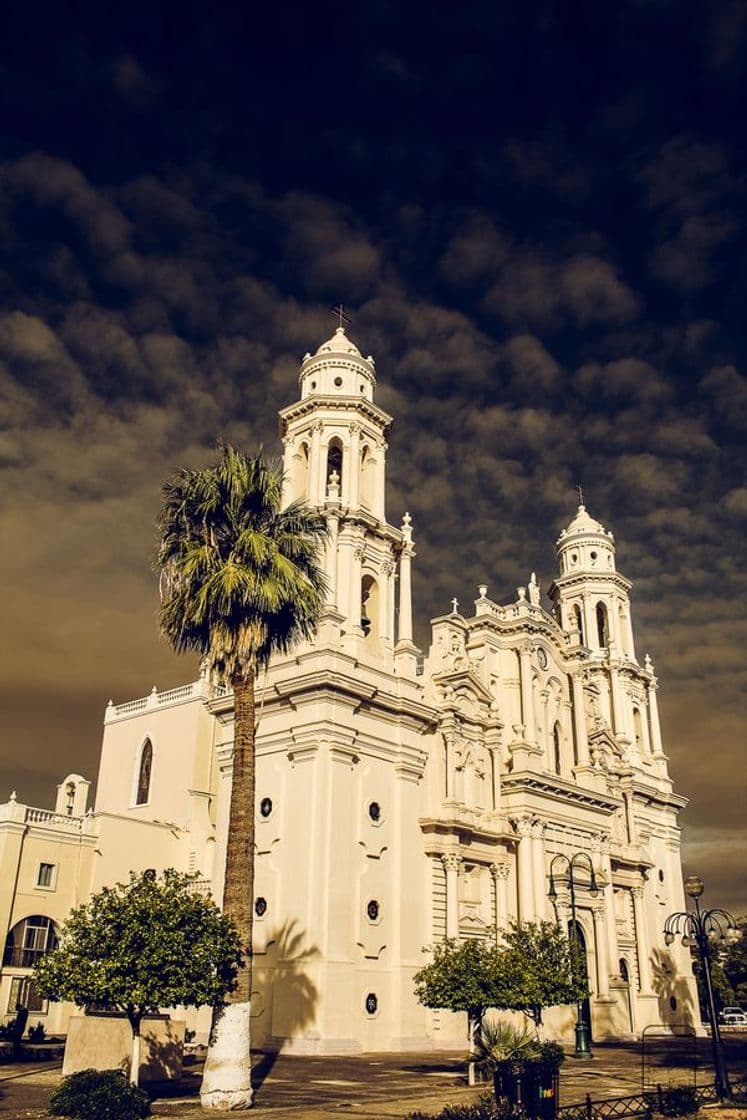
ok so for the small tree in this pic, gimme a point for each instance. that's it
(460, 977)
(537, 967)
(140, 946)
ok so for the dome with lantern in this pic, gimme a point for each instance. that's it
(337, 369)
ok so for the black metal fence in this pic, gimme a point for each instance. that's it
(638, 1104)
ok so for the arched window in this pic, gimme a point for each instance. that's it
(143, 777)
(70, 798)
(638, 728)
(301, 464)
(369, 606)
(28, 941)
(578, 619)
(367, 478)
(624, 972)
(603, 633)
(334, 461)
(557, 759)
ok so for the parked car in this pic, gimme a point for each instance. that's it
(734, 1017)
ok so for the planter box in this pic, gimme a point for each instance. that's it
(105, 1042)
(531, 1085)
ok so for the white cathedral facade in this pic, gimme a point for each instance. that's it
(401, 798)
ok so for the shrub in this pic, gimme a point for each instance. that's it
(95, 1094)
(679, 1100)
(552, 1054)
(484, 1109)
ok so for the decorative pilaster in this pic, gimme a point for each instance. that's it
(641, 937)
(524, 868)
(609, 904)
(527, 697)
(617, 721)
(600, 943)
(500, 872)
(451, 862)
(405, 651)
(317, 468)
(354, 468)
(579, 720)
(539, 874)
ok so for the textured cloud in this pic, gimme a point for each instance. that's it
(546, 264)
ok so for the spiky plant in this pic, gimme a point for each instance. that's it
(240, 580)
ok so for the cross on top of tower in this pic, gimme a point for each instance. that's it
(580, 490)
(343, 319)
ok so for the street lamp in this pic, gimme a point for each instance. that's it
(579, 859)
(702, 929)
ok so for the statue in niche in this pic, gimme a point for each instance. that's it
(454, 657)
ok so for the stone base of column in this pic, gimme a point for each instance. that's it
(328, 630)
(522, 756)
(406, 655)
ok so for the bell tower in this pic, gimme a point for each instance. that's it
(334, 457)
(590, 595)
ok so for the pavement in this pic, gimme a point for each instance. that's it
(388, 1086)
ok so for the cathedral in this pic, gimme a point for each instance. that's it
(403, 796)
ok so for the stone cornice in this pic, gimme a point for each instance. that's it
(558, 789)
(318, 402)
(591, 578)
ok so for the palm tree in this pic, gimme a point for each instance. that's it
(240, 580)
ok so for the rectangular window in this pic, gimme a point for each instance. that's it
(23, 991)
(46, 875)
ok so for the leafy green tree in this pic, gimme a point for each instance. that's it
(240, 580)
(139, 946)
(537, 967)
(460, 977)
(728, 973)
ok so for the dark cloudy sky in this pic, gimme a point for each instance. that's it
(536, 212)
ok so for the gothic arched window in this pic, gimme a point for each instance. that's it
(638, 728)
(577, 618)
(556, 748)
(143, 777)
(603, 632)
(369, 606)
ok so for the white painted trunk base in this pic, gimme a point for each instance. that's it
(227, 1080)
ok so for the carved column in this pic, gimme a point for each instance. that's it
(609, 905)
(449, 764)
(524, 869)
(330, 557)
(591, 638)
(539, 873)
(386, 603)
(600, 943)
(493, 744)
(579, 720)
(617, 721)
(641, 938)
(451, 862)
(354, 466)
(317, 469)
(354, 613)
(527, 696)
(500, 872)
(405, 590)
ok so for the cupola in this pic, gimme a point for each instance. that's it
(585, 546)
(337, 369)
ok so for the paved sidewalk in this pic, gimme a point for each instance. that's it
(372, 1086)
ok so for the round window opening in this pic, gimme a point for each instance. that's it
(372, 1003)
(593, 555)
(373, 910)
(362, 389)
(673, 1003)
(574, 557)
(338, 382)
(313, 384)
(374, 811)
(260, 907)
(265, 806)
(661, 876)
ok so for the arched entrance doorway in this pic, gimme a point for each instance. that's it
(576, 933)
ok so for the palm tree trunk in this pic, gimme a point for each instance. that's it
(226, 1081)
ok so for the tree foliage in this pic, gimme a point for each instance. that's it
(728, 973)
(536, 967)
(240, 577)
(139, 946)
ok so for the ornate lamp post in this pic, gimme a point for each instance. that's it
(703, 929)
(579, 859)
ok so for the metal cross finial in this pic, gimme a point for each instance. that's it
(580, 489)
(339, 311)
(454, 606)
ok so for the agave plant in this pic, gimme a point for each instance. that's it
(501, 1042)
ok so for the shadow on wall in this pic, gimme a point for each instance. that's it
(162, 1051)
(285, 1000)
(673, 990)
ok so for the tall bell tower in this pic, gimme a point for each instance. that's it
(335, 444)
